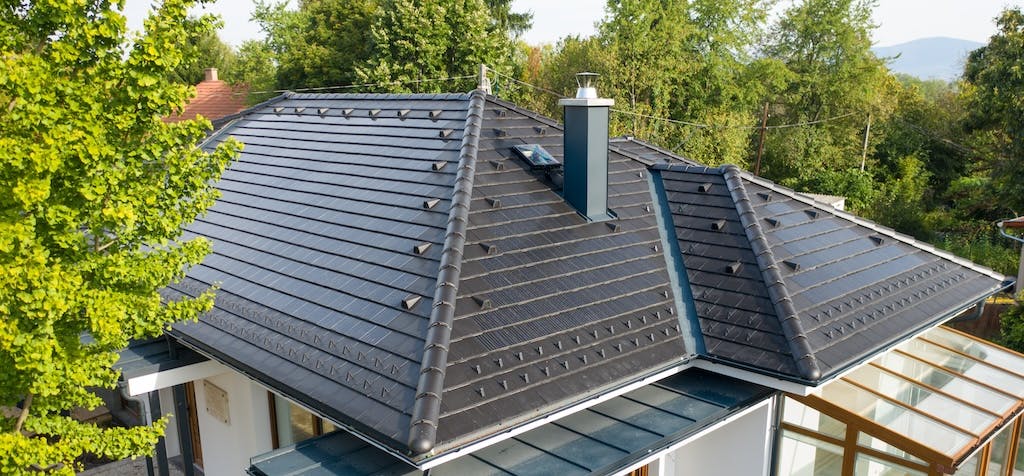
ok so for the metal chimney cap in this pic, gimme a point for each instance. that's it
(585, 85)
(586, 92)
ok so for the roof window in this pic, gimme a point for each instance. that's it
(537, 157)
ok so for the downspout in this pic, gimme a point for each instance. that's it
(1019, 286)
(143, 403)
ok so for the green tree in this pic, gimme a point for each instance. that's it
(645, 41)
(1011, 326)
(687, 61)
(506, 21)
(320, 43)
(993, 89)
(418, 42)
(207, 51)
(254, 67)
(94, 191)
(835, 79)
(925, 123)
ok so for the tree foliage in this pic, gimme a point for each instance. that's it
(320, 43)
(324, 43)
(418, 42)
(688, 61)
(94, 190)
(994, 92)
(835, 79)
(207, 51)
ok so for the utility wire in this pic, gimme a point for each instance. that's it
(677, 121)
(524, 83)
(963, 149)
(364, 85)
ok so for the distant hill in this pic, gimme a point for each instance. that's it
(929, 58)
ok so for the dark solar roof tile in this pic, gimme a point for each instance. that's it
(844, 294)
(390, 262)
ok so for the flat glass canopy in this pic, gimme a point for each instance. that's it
(605, 439)
(926, 407)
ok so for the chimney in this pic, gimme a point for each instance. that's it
(211, 74)
(585, 163)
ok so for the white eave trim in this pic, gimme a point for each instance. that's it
(169, 378)
(753, 377)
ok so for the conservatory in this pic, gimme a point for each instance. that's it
(942, 403)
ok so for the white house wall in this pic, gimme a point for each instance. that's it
(171, 433)
(227, 447)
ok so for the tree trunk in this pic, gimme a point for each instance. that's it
(24, 413)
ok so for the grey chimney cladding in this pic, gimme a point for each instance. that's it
(585, 163)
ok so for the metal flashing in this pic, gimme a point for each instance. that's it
(689, 324)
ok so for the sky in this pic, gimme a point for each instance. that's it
(898, 21)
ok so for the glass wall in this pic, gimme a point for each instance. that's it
(814, 444)
(942, 403)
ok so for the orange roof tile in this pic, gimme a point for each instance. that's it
(214, 100)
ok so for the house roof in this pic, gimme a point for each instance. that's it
(387, 261)
(372, 249)
(214, 99)
(789, 285)
(1014, 223)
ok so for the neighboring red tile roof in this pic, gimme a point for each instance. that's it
(214, 100)
(1014, 223)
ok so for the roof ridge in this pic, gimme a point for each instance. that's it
(806, 362)
(427, 404)
(222, 122)
(881, 229)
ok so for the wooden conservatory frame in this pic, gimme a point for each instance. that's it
(927, 407)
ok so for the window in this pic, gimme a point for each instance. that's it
(291, 423)
(998, 452)
(802, 455)
(870, 466)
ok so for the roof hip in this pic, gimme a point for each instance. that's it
(427, 404)
(806, 362)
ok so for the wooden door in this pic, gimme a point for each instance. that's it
(193, 425)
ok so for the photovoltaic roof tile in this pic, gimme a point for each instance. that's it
(389, 262)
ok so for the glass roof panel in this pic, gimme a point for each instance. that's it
(938, 395)
(921, 399)
(802, 415)
(869, 441)
(980, 350)
(965, 366)
(947, 382)
(896, 418)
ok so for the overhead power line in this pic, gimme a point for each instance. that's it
(363, 85)
(677, 121)
(963, 149)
